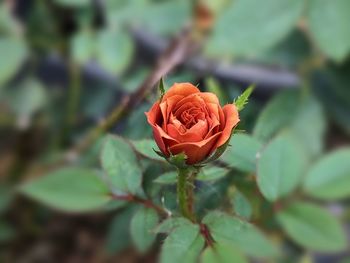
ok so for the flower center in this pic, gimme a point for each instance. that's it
(191, 116)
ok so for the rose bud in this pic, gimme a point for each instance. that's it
(189, 121)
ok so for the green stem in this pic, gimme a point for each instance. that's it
(74, 95)
(185, 187)
(73, 99)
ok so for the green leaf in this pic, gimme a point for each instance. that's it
(119, 162)
(331, 87)
(312, 227)
(228, 229)
(82, 46)
(309, 126)
(115, 205)
(142, 224)
(242, 99)
(114, 50)
(242, 152)
(155, 17)
(73, 3)
(329, 178)
(118, 234)
(183, 244)
(167, 178)
(146, 147)
(328, 22)
(215, 7)
(9, 25)
(291, 52)
(195, 249)
(280, 167)
(26, 99)
(69, 189)
(222, 253)
(211, 173)
(12, 53)
(277, 114)
(299, 112)
(246, 27)
(169, 224)
(123, 12)
(241, 205)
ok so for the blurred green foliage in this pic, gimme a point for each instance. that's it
(282, 186)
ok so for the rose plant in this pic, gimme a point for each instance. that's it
(276, 190)
(252, 202)
(191, 124)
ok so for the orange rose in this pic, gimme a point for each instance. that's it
(188, 121)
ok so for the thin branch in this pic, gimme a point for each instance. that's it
(265, 77)
(204, 230)
(73, 99)
(145, 202)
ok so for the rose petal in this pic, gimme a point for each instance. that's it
(201, 128)
(214, 108)
(186, 137)
(159, 141)
(183, 89)
(187, 103)
(163, 109)
(209, 97)
(163, 140)
(213, 126)
(222, 118)
(232, 118)
(196, 152)
(154, 114)
(154, 117)
(177, 123)
(166, 108)
(217, 110)
(163, 134)
(195, 134)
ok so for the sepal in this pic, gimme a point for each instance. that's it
(178, 160)
(242, 99)
(159, 153)
(161, 88)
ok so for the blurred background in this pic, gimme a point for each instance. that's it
(66, 64)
